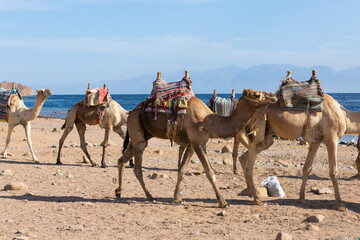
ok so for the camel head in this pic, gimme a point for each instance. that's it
(259, 98)
(44, 92)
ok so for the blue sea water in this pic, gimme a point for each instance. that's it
(56, 106)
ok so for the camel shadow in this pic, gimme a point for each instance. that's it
(30, 162)
(315, 177)
(40, 198)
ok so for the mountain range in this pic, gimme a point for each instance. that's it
(260, 77)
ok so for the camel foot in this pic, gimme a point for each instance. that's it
(153, 200)
(341, 208)
(178, 201)
(301, 200)
(258, 202)
(58, 163)
(118, 193)
(131, 163)
(94, 165)
(224, 205)
(36, 161)
(104, 166)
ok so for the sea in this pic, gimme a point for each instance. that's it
(56, 106)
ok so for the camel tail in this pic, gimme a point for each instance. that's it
(63, 126)
(126, 141)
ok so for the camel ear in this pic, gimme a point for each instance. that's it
(37, 91)
(245, 92)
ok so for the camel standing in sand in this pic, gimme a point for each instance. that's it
(18, 113)
(81, 114)
(325, 127)
(193, 131)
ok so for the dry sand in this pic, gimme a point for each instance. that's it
(77, 201)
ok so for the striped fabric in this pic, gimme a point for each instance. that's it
(4, 100)
(163, 92)
(222, 106)
(294, 95)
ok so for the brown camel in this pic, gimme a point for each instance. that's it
(18, 113)
(193, 131)
(81, 114)
(325, 127)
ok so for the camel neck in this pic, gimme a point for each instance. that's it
(352, 122)
(35, 110)
(224, 127)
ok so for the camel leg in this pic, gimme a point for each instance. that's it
(128, 154)
(200, 151)
(333, 171)
(235, 154)
(138, 169)
(357, 163)
(81, 127)
(181, 151)
(10, 129)
(104, 145)
(307, 168)
(121, 133)
(181, 171)
(27, 127)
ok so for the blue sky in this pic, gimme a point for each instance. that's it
(66, 41)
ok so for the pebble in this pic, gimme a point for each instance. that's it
(70, 176)
(316, 218)
(54, 146)
(340, 237)
(312, 227)
(159, 175)
(195, 161)
(21, 237)
(59, 173)
(222, 213)
(196, 232)
(283, 236)
(322, 190)
(75, 228)
(227, 161)
(6, 172)
(160, 152)
(16, 186)
(226, 149)
(56, 130)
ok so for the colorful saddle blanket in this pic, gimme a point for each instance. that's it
(5, 98)
(167, 96)
(222, 106)
(97, 96)
(294, 95)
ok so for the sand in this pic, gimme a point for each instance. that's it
(77, 201)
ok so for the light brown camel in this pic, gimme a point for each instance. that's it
(18, 113)
(325, 127)
(81, 114)
(193, 131)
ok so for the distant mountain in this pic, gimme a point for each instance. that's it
(260, 77)
(23, 90)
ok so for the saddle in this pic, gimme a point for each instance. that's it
(98, 98)
(300, 96)
(222, 106)
(170, 98)
(7, 97)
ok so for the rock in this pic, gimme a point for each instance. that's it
(340, 237)
(26, 154)
(302, 141)
(19, 232)
(70, 176)
(222, 213)
(160, 152)
(194, 233)
(195, 161)
(56, 130)
(6, 172)
(261, 192)
(58, 173)
(256, 215)
(75, 228)
(226, 149)
(16, 186)
(21, 237)
(322, 190)
(159, 175)
(312, 227)
(283, 236)
(315, 218)
(9, 221)
(54, 146)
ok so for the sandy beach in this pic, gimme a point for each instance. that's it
(77, 201)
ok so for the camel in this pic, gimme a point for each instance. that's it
(193, 131)
(18, 114)
(325, 127)
(80, 114)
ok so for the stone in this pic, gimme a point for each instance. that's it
(21, 237)
(312, 227)
(56, 130)
(261, 192)
(160, 152)
(54, 146)
(70, 176)
(302, 141)
(322, 190)
(159, 175)
(222, 213)
(195, 161)
(316, 218)
(75, 228)
(6, 172)
(16, 186)
(194, 233)
(26, 154)
(283, 236)
(340, 237)
(58, 173)
(227, 161)
(226, 149)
